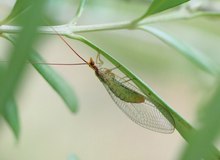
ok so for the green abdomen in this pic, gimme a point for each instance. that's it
(124, 93)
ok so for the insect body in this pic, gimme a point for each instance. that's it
(121, 91)
(133, 103)
(139, 108)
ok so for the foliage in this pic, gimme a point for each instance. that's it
(158, 11)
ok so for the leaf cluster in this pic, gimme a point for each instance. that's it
(157, 12)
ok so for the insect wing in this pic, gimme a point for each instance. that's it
(145, 114)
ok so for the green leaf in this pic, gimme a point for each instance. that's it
(162, 5)
(18, 56)
(190, 53)
(159, 6)
(208, 132)
(57, 82)
(19, 8)
(181, 125)
(10, 113)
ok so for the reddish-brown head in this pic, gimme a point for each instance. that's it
(93, 66)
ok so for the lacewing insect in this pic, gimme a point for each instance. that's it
(137, 106)
(132, 101)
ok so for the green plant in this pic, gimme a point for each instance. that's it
(154, 14)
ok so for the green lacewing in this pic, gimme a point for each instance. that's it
(134, 103)
(138, 107)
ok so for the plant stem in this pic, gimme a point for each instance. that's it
(68, 29)
(78, 12)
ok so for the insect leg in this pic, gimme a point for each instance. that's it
(116, 67)
(126, 80)
(98, 60)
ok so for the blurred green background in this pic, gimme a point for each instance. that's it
(100, 130)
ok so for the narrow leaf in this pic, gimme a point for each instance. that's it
(20, 7)
(54, 79)
(10, 113)
(182, 126)
(162, 5)
(12, 74)
(190, 53)
(58, 83)
(208, 132)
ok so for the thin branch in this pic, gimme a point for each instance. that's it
(66, 29)
(78, 12)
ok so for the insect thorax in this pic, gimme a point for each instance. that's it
(105, 75)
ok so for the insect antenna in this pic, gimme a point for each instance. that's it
(61, 37)
(58, 64)
(50, 63)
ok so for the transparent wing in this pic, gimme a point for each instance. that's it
(145, 114)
